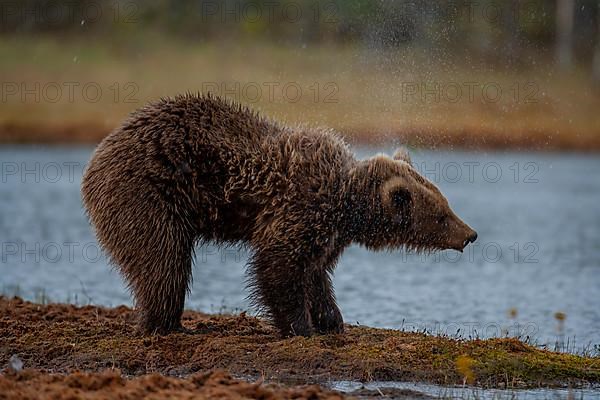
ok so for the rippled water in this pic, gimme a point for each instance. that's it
(468, 393)
(537, 215)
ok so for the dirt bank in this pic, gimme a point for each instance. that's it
(63, 338)
(31, 384)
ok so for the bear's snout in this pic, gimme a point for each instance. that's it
(460, 235)
(471, 239)
(463, 235)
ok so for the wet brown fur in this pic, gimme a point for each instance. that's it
(196, 169)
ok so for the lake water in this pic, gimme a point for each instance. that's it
(421, 390)
(534, 271)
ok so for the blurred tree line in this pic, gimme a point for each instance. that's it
(507, 31)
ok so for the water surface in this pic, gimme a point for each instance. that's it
(534, 271)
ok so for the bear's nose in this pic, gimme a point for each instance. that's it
(472, 238)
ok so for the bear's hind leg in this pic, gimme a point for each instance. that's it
(158, 269)
(161, 299)
(160, 306)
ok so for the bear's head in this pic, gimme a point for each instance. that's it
(398, 208)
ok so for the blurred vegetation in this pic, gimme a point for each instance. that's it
(503, 30)
(547, 51)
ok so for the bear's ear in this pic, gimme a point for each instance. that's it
(401, 154)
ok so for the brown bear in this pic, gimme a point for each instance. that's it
(194, 169)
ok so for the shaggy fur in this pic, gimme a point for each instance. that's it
(195, 169)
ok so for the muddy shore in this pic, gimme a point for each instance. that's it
(62, 339)
(32, 384)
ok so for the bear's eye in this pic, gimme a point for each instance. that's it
(441, 219)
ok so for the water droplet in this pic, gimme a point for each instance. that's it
(15, 364)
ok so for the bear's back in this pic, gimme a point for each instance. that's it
(208, 149)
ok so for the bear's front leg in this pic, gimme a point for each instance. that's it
(280, 284)
(325, 313)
